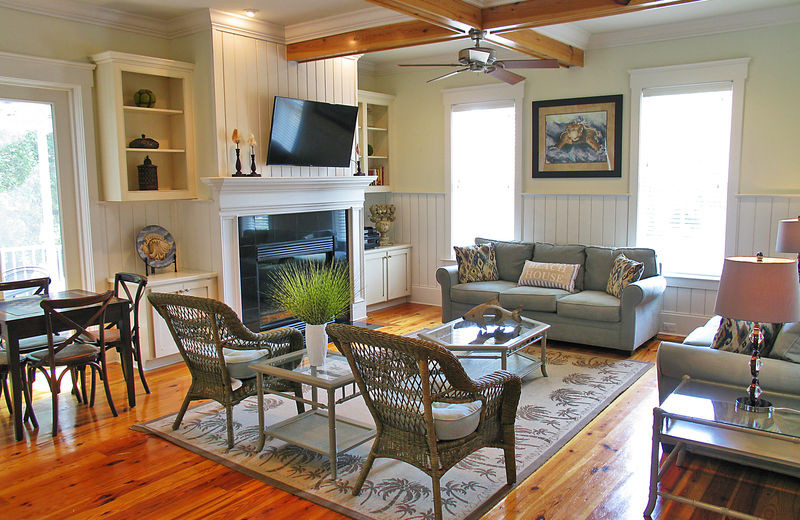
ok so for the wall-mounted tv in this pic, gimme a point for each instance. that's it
(311, 133)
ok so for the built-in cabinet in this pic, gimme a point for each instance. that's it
(170, 121)
(375, 113)
(157, 345)
(387, 273)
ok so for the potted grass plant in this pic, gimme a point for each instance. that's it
(316, 293)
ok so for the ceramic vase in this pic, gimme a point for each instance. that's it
(316, 344)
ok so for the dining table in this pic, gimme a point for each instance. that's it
(24, 317)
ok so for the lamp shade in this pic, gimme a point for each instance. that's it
(763, 291)
(788, 236)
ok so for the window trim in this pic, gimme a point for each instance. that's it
(733, 71)
(483, 94)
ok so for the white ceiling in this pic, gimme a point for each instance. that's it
(648, 25)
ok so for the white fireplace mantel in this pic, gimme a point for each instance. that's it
(245, 196)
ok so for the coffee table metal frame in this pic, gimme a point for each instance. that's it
(743, 442)
(509, 353)
(307, 429)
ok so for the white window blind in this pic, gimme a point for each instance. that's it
(684, 156)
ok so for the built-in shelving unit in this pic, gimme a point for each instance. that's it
(374, 114)
(170, 122)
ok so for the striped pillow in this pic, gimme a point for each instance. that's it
(548, 274)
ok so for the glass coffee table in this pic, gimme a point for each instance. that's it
(505, 343)
(703, 416)
(318, 429)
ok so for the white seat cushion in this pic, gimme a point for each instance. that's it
(455, 420)
(238, 361)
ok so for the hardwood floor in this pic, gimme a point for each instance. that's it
(97, 467)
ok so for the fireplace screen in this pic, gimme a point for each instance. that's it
(266, 242)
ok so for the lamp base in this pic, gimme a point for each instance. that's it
(758, 406)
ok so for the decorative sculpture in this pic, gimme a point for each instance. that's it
(382, 215)
(490, 313)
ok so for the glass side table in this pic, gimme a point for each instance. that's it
(318, 429)
(704, 416)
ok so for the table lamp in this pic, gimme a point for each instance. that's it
(789, 237)
(760, 290)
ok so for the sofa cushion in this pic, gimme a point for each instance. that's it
(600, 259)
(590, 305)
(455, 420)
(787, 344)
(531, 298)
(561, 254)
(734, 336)
(511, 256)
(476, 263)
(701, 337)
(549, 274)
(645, 255)
(479, 292)
(624, 272)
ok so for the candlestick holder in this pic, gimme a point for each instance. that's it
(253, 172)
(238, 166)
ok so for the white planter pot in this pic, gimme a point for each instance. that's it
(316, 344)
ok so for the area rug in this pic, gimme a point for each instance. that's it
(551, 411)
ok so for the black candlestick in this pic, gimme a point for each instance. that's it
(238, 165)
(253, 172)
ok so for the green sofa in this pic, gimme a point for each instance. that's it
(589, 316)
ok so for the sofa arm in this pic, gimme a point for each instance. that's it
(643, 291)
(447, 276)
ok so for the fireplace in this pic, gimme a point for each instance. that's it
(267, 242)
(249, 199)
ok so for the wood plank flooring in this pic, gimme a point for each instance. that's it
(98, 468)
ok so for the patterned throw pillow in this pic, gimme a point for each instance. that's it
(734, 336)
(548, 274)
(476, 263)
(624, 271)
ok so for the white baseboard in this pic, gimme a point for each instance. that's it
(384, 305)
(680, 323)
(426, 295)
(150, 364)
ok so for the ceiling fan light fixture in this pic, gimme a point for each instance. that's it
(250, 13)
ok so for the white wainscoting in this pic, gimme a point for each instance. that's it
(585, 219)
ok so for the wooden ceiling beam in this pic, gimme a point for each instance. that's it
(539, 46)
(455, 15)
(393, 36)
(536, 13)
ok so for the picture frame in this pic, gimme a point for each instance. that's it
(577, 137)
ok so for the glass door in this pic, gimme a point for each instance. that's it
(39, 232)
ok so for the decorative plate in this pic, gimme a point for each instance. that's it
(156, 246)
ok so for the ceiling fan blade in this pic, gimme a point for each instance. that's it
(505, 75)
(430, 65)
(529, 64)
(450, 74)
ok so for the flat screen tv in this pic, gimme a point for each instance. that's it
(311, 133)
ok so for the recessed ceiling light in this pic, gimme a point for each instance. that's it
(251, 13)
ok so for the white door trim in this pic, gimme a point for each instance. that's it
(76, 79)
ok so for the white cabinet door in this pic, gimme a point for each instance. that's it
(398, 284)
(374, 277)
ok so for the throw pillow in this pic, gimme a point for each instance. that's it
(624, 272)
(548, 274)
(476, 263)
(734, 336)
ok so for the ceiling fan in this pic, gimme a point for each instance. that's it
(483, 59)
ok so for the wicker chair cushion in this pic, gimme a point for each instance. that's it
(455, 420)
(238, 361)
(69, 354)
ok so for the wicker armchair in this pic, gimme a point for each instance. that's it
(201, 328)
(401, 377)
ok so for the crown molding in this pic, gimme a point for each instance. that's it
(95, 15)
(701, 27)
(189, 24)
(245, 26)
(342, 23)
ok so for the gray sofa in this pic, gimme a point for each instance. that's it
(694, 358)
(589, 316)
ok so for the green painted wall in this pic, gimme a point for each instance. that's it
(770, 162)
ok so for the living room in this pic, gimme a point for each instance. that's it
(238, 67)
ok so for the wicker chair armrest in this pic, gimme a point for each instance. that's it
(277, 341)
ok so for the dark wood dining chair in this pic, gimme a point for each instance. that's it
(4, 386)
(128, 286)
(72, 354)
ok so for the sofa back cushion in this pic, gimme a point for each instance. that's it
(510, 255)
(787, 344)
(563, 254)
(600, 259)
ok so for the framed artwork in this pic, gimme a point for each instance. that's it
(578, 137)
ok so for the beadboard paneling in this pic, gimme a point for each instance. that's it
(575, 219)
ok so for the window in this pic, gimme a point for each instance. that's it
(483, 158)
(685, 165)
